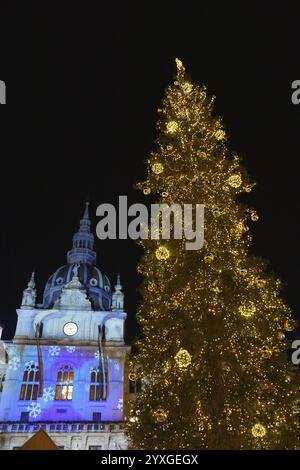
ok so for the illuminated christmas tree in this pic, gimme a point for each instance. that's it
(213, 351)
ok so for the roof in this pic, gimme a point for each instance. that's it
(40, 441)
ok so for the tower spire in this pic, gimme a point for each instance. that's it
(86, 215)
(83, 242)
(29, 294)
(118, 296)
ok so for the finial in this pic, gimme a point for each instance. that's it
(179, 65)
(86, 211)
(180, 69)
(31, 283)
(118, 296)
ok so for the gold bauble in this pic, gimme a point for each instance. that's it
(225, 366)
(220, 134)
(266, 352)
(247, 310)
(187, 87)
(162, 253)
(235, 181)
(216, 212)
(157, 168)
(243, 272)
(248, 189)
(260, 282)
(159, 415)
(202, 154)
(133, 376)
(172, 127)
(289, 325)
(254, 216)
(183, 358)
(169, 147)
(209, 258)
(264, 385)
(280, 335)
(165, 194)
(240, 228)
(146, 191)
(258, 430)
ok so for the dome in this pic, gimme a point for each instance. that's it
(80, 259)
(96, 283)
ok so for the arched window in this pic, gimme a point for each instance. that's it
(30, 385)
(97, 385)
(64, 383)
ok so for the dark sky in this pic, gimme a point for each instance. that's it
(83, 86)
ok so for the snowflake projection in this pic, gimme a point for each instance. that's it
(114, 365)
(71, 349)
(14, 363)
(11, 351)
(54, 350)
(120, 404)
(97, 355)
(34, 409)
(48, 394)
(31, 365)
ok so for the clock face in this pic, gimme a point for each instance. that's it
(70, 329)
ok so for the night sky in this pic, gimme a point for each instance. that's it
(83, 87)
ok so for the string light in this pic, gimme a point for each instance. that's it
(247, 310)
(219, 302)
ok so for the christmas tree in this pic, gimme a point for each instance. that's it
(212, 355)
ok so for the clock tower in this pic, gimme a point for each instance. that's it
(67, 360)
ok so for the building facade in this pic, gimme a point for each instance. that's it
(65, 369)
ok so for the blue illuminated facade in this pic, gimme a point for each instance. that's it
(67, 360)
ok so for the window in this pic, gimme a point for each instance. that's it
(98, 388)
(41, 326)
(64, 383)
(95, 447)
(135, 386)
(24, 417)
(30, 385)
(96, 416)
